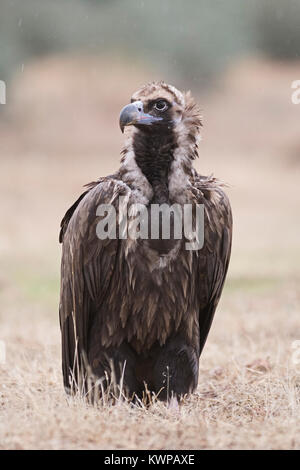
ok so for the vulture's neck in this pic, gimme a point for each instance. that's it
(154, 154)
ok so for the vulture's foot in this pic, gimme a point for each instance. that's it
(175, 369)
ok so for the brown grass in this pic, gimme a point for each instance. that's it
(249, 388)
(248, 394)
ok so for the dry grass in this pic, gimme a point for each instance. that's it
(249, 388)
(248, 394)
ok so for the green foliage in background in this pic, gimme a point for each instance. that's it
(191, 40)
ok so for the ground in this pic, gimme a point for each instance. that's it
(248, 393)
(249, 385)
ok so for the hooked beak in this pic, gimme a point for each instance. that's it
(133, 113)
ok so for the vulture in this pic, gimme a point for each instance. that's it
(137, 311)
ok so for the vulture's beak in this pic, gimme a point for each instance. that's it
(133, 113)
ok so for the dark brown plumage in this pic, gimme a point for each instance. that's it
(144, 306)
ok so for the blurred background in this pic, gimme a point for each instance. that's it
(69, 67)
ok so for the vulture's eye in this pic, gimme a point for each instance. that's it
(161, 105)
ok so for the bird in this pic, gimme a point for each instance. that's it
(138, 311)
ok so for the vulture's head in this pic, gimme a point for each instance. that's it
(160, 109)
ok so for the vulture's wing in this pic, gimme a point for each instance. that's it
(67, 217)
(213, 259)
(86, 269)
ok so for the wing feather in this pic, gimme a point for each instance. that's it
(213, 262)
(86, 270)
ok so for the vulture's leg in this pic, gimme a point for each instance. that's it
(175, 369)
(116, 365)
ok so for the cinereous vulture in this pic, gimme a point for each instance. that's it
(139, 310)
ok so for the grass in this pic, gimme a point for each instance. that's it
(248, 394)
